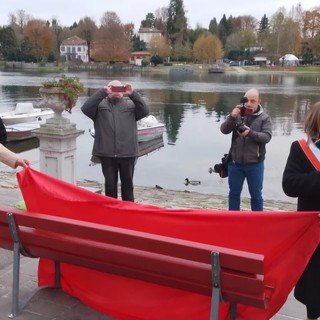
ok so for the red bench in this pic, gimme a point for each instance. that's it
(225, 274)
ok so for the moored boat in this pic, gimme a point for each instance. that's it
(21, 131)
(25, 112)
(149, 128)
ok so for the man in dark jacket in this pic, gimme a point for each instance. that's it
(115, 110)
(252, 130)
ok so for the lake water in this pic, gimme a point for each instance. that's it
(192, 108)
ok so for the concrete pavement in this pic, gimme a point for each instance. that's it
(53, 304)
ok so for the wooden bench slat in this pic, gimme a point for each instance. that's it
(141, 240)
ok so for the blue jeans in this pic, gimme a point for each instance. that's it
(253, 172)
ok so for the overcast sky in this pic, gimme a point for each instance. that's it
(197, 11)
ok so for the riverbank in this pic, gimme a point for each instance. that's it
(126, 67)
(10, 195)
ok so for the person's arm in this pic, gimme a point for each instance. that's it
(11, 159)
(299, 177)
(228, 125)
(90, 107)
(141, 108)
(263, 136)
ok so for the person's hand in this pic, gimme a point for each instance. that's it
(22, 163)
(129, 89)
(245, 132)
(235, 112)
(108, 89)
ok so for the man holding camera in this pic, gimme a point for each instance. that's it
(252, 130)
(115, 110)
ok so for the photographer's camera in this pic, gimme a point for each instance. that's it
(241, 128)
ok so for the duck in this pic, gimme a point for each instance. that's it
(192, 182)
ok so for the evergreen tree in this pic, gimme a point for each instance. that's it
(213, 27)
(177, 23)
(148, 22)
(8, 42)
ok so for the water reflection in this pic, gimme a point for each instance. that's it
(23, 145)
(192, 109)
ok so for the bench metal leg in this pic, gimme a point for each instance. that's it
(233, 311)
(16, 266)
(17, 250)
(57, 274)
(15, 281)
(216, 292)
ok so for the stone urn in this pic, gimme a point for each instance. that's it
(53, 98)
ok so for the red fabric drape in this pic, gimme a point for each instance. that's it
(286, 239)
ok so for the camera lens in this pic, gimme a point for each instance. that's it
(217, 168)
(244, 100)
(241, 129)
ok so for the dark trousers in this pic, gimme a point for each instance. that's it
(110, 169)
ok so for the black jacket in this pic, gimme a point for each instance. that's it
(301, 180)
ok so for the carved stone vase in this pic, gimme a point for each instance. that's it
(53, 98)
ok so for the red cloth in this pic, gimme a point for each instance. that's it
(286, 239)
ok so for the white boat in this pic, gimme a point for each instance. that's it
(21, 131)
(149, 128)
(25, 112)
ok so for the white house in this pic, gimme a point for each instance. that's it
(74, 48)
(137, 57)
(146, 34)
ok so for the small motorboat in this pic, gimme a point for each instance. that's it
(149, 128)
(21, 131)
(25, 112)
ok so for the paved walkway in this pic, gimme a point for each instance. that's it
(52, 304)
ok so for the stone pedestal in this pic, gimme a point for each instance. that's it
(57, 142)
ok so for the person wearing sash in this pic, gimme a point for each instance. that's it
(301, 179)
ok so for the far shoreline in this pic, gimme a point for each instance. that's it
(125, 67)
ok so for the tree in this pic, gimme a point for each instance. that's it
(263, 30)
(181, 52)
(148, 22)
(311, 23)
(196, 33)
(111, 43)
(316, 48)
(208, 48)
(158, 46)
(8, 43)
(137, 44)
(156, 60)
(225, 28)
(248, 38)
(161, 18)
(39, 37)
(213, 27)
(177, 23)
(87, 29)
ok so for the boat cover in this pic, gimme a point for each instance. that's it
(286, 239)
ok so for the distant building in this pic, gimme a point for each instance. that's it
(137, 57)
(289, 60)
(146, 34)
(74, 48)
(259, 60)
